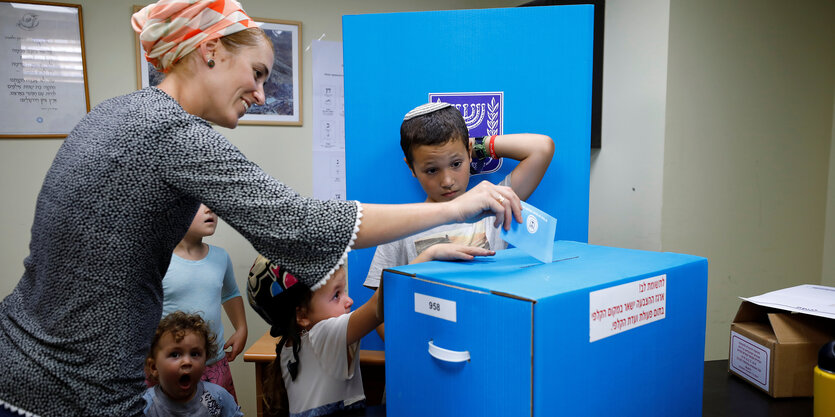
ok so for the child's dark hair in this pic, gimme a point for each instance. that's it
(287, 329)
(433, 129)
(178, 324)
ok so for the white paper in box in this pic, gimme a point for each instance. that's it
(816, 300)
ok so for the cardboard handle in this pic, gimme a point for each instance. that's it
(447, 355)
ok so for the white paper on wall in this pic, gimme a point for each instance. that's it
(328, 121)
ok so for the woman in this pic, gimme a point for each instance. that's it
(122, 191)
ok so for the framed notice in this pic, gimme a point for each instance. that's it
(282, 89)
(43, 74)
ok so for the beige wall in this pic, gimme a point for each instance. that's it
(828, 274)
(748, 134)
(626, 173)
(284, 152)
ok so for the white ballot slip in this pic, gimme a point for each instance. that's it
(816, 300)
(535, 235)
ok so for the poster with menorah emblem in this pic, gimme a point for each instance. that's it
(482, 113)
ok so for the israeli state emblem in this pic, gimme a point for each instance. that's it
(483, 113)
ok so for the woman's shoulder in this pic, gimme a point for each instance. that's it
(147, 114)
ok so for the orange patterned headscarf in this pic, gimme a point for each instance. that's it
(170, 29)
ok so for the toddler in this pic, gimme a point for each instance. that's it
(176, 362)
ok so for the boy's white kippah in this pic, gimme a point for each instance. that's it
(425, 109)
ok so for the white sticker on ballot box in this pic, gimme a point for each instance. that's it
(624, 307)
(435, 307)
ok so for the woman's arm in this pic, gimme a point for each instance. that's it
(306, 235)
(384, 223)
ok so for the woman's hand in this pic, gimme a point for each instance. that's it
(451, 252)
(487, 199)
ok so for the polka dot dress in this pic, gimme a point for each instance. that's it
(120, 194)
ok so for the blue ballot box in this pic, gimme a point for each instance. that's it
(599, 331)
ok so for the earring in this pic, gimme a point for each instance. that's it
(211, 62)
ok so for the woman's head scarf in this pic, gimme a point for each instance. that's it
(171, 29)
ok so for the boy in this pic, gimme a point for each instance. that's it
(438, 152)
(176, 362)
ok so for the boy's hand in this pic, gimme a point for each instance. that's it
(451, 252)
(236, 342)
(487, 199)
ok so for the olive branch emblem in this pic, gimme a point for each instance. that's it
(492, 117)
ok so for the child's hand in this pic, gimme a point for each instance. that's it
(237, 342)
(451, 252)
(487, 199)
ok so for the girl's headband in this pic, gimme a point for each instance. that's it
(265, 285)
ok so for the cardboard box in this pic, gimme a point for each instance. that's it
(599, 331)
(774, 347)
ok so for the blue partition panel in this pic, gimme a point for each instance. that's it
(534, 65)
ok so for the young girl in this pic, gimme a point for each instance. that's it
(199, 280)
(316, 370)
(176, 362)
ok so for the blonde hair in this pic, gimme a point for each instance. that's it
(246, 38)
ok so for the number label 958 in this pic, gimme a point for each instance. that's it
(435, 307)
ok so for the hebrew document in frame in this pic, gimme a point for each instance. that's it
(43, 83)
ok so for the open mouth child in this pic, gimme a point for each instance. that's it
(176, 363)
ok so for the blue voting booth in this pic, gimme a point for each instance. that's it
(533, 68)
(600, 331)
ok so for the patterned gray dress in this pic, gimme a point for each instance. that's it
(120, 194)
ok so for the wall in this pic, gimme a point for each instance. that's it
(828, 272)
(748, 133)
(284, 152)
(626, 173)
